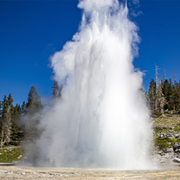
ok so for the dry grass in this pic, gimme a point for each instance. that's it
(169, 123)
(167, 120)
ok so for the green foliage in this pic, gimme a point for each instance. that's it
(165, 88)
(10, 105)
(152, 94)
(168, 124)
(11, 132)
(16, 131)
(57, 90)
(158, 131)
(157, 113)
(177, 97)
(163, 130)
(32, 114)
(163, 143)
(23, 107)
(6, 119)
(170, 92)
(177, 128)
(34, 101)
(10, 153)
(152, 89)
(5, 107)
(171, 95)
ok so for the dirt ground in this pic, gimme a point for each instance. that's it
(10, 172)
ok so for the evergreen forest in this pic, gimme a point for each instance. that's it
(19, 123)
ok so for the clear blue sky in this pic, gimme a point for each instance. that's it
(31, 31)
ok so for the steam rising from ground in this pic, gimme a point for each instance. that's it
(102, 120)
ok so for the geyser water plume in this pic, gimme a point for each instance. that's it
(102, 120)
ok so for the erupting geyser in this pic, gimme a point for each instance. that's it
(102, 120)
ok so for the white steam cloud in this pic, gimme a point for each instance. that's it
(102, 120)
(90, 5)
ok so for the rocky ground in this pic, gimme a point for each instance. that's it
(167, 155)
(167, 139)
(29, 173)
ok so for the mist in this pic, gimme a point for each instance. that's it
(101, 119)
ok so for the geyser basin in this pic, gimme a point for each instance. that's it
(102, 120)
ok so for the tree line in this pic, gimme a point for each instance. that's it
(164, 96)
(19, 122)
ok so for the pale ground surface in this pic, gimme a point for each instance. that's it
(29, 173)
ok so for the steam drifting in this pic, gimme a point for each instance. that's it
(102, 120)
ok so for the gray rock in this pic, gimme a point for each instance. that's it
(20, 157)
(177, 160)
(168, 150)
(161, 135)
(158, 127)
(169, 135)
(176, 148)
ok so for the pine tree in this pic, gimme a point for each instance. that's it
(57, 90)
(160, 99)
(23, 107)
(1, 107)
(171, 93)
(165, 92)
(4, 112)
(6, 119)
(178, 92)
(10, 101)
(16, 132)
(34, 101)
(152, 94)
(156, 96)
(177, 97)
(32, 115)
(165, 88)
